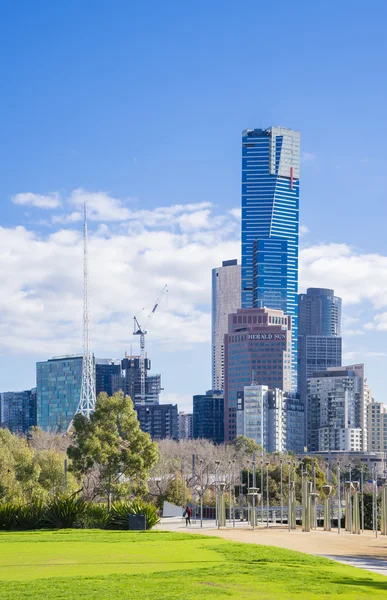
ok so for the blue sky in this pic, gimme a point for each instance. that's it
(140, 105)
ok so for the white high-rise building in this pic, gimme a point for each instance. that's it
(226, 299)
(185, 424)
(377, 427)
(261, 416)
(337, 401)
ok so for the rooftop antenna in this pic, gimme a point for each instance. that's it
(87, 400)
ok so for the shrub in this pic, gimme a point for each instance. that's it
(120, 511)
(64, 512)
(8, 512)
(96, 516)
(30, 516)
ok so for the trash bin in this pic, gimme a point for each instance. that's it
(137, 522)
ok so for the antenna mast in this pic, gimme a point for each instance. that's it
(87, 399)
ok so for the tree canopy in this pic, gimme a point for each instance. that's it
(112, 448)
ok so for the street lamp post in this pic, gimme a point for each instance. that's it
(375, 497)
(262, 488)
(254, 491)
(289, 463)
(230, 478)
(217, 463)
(338, 499)
(281, 492)
(362, 498)
(315, 494)
(267, 493)
(233, 489)
(201, 492)
(350, 503)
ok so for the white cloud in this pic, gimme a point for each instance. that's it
(379, 322)
(304, 230)
(48, 201)
(354, 276)
(236, 213)
(41, 301)
(307, 157)
(100, 206)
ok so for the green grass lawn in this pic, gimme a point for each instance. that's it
(75, 565)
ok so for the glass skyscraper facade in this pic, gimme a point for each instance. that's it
(58, 392)
(18, 410)
(270, 223)
(319, 313)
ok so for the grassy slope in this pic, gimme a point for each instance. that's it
(77, 565)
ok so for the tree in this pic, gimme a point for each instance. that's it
(246, 446)
(112, 445)
(52, 476)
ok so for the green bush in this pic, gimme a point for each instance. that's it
(120, 511)
(64, 512)
(30, 516)
(8, 514)
(96, 516)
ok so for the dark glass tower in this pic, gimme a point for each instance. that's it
(319, 313)
(270, 223)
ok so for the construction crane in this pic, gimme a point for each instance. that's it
(138, 330)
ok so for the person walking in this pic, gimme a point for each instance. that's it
(187, 514)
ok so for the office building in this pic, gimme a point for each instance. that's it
(185, 422)
(270, 223)
(258, 347)
(58, 392)
(294, 424)
(319, 335)
(226, 298)
(131, 380)
(159, 420)
(18, 410)
(107, 376)
(337, 404)
(377, 427)
(319, 313)
(208, 416)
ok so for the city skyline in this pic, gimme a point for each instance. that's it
(159, 214)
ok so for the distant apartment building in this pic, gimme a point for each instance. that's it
(18, 410)
(261, 417)
(159, 420)
(185, 422)
(58, 391)
(226, 299)
(258, 347)
(319, 336)
(337, 405)
(377, 427)
(208, 416)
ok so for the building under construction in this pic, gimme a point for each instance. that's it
(125, 375)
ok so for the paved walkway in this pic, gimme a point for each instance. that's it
(364, 551)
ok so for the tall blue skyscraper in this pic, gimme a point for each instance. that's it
(270, 223)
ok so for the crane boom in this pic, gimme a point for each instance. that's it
(138, 330)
